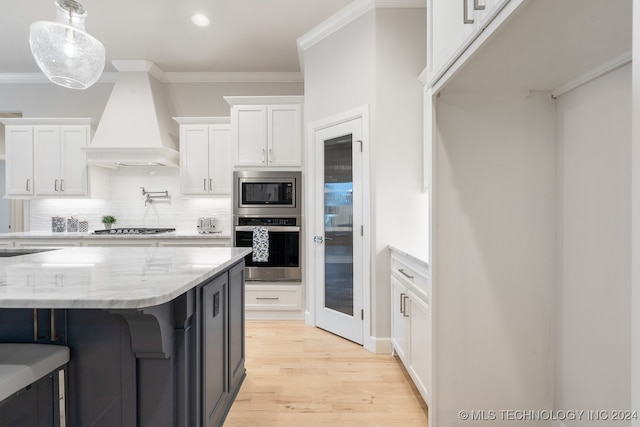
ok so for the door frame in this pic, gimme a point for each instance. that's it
(362, 113)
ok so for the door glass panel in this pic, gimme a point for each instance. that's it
(338, 224)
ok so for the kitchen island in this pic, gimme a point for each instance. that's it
(156, 334)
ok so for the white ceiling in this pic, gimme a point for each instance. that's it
(244, 35)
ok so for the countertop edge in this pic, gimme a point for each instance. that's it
(124, 304)
(407, 255)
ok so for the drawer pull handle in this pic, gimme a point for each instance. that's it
(466, 18)
(268, 298)
(408, 276)
(402, 295)
(404, 298)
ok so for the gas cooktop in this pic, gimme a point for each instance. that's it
(135, 230)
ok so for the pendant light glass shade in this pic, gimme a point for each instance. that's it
(63, 50)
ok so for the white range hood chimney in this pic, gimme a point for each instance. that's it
(136, 128)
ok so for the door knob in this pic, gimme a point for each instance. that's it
(318, 239)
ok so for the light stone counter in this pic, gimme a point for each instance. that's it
(419, 261)
(75, 236)
(108, 278)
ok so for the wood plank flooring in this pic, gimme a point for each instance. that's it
(298, 375)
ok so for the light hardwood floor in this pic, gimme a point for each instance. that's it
(298, 375)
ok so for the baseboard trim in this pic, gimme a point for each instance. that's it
(379, 345)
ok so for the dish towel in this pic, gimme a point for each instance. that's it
(260, 244)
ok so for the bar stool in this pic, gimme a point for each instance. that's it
(23, 365)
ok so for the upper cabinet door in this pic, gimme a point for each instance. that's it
(220, 159)
(194, 159)
(285, 135)
(47, 161)
(19, 160)
(74, 178)
(249, 133)
(451, 27)
(60, 163)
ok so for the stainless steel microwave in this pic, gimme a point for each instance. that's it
(267, 193)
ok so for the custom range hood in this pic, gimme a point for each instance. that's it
(136, 128)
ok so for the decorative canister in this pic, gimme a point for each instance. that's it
(58, 224)
(83, 226)
(72, 225)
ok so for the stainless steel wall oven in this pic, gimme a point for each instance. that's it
(269, 202)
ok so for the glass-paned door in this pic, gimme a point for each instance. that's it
(338, 230)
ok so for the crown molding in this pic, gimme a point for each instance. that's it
(234, 77)
(173, 77)
(345, 16)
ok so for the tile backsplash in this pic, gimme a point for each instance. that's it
(127, 204)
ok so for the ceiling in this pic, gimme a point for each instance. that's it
(244, 35)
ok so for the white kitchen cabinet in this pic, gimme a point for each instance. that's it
(399, 323)
(205, 156)
(19, 160)
(419, 337)
(60, 164)
(450, 33)
(266, 131)
(453, 26)
(269, 300)
(45, 158)
(411, 320)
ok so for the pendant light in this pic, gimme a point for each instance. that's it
(63, 50)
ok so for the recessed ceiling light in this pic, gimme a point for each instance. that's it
(200, 20)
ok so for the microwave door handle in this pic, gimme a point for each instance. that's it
(271, 228)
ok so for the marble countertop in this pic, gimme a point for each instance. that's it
(75, 236)
(108, 278)
(409, 256)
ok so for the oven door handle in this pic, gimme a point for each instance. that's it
(270, 228)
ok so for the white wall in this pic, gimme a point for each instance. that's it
(495, 246)
(185, 99)
(635, 198)
(400, 209)
(375, 61)
(594, 232)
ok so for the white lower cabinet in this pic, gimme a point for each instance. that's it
(269, 300)
(420, 358)
(399, 323)
(411, 320)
